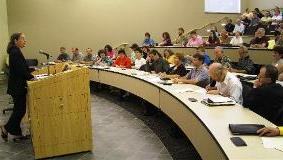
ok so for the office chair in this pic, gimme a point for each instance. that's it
(8, 109)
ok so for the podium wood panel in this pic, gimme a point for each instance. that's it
(60, 114)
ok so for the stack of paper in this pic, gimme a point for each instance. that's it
(41, 76)
(273, 142)
(219, 99)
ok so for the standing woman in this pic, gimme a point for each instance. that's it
(17, 85)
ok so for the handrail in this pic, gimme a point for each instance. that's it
(205, 26)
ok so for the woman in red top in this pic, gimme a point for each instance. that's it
(122, 60)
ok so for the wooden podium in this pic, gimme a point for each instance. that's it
(59, 112)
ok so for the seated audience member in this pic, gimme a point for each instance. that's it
(77, 55)
(221, 58)
(224, 38)
(155, 63)
(277, 41)
(139, 61)
(280, 72)
(280, 28)
(181, 39)
(213, 39)
(254, 20)
(169, 56)
(245, 64)
(277, 56)
(247, 14)
(89, 58)
(227, 84)
(214, 28)
(102, 59)
(237, 40)
(178, 70)
(145, 51)
(148, 41)
(207, 60)
(258, 13)
(122, 60)
(278, 61)
(63, 56)
(270, 131)
(267, 18)
(134, 47)
(229, 27)
(277, 17)
(266, 98)
(198, 75)
(239, 27)
(278, 38)
(260, 40)
(109, 52)
(194, 40)
(166, 39)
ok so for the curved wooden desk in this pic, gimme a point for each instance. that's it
(259, 56)
(206, 127)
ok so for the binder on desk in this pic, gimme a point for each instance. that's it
(218, 101)
(245, 129)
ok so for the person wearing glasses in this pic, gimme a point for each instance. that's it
(266, 98)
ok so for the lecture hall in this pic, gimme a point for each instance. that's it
(141, 80)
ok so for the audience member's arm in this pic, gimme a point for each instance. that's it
(270, 131)
(238, 70)
(185, 80)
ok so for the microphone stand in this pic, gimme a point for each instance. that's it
(48, 65)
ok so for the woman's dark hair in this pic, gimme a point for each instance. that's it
(12, 43)
(181, 29)
(169, 51)
(147, 34)
(180, 56)
(147, 48)
(155, 52)
(257, 10)
(279, 50)
(122, 51)
(109, 48)
(102, 51)
(166, 35)
(193, 32)
(198, 56)
(271, 72)
(134, 46)
(138, 50)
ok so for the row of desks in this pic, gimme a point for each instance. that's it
(259, 56)
(206, 127)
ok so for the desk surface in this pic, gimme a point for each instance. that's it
(214, 120)
(259, 56)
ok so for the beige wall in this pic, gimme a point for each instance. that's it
(3, 32)
(264, 4)
(49, 24)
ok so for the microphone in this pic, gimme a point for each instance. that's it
(44, 53)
